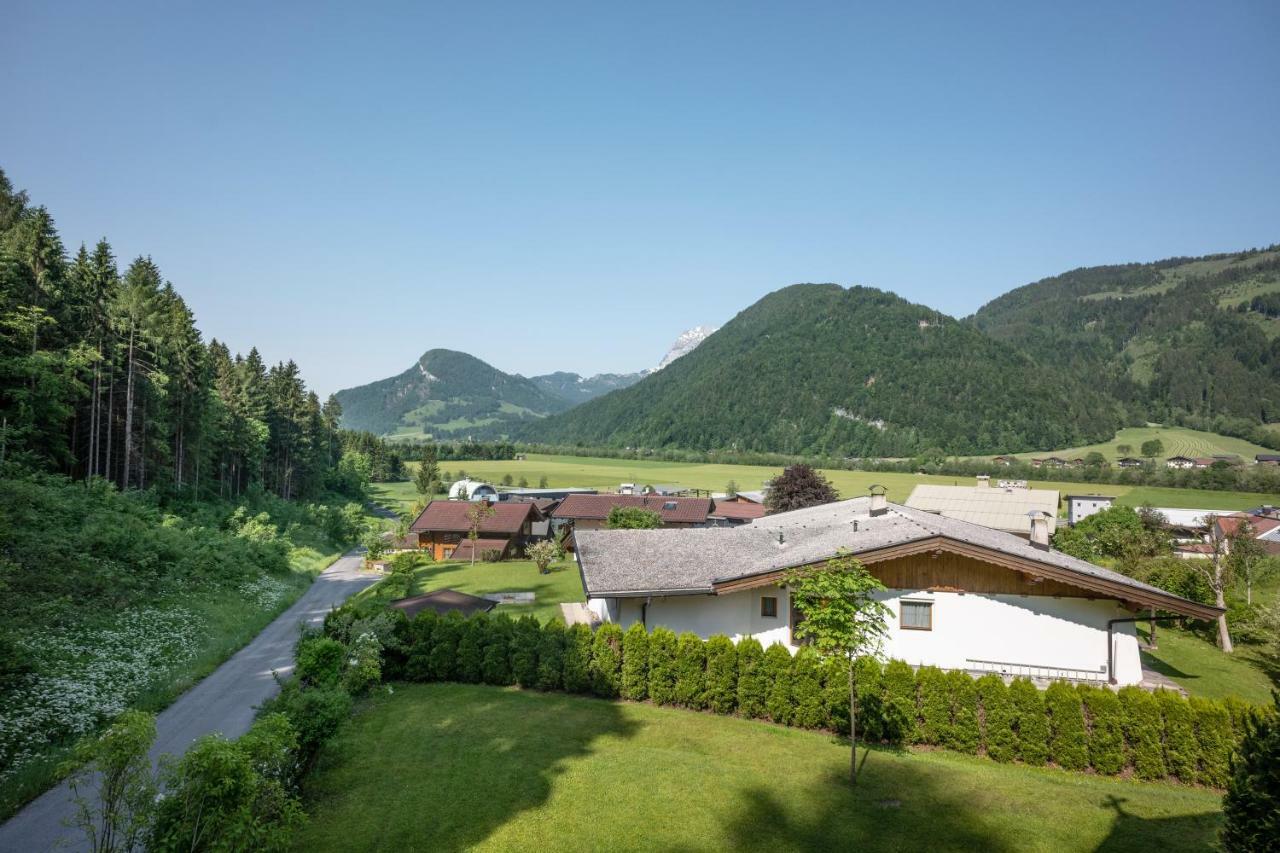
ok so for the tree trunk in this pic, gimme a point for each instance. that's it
(111, 413)
(1152, 644)
(128, 419)
(853, 726)
(1224, 635)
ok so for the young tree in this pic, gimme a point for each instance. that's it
(542, 482)
(632, 518)
(427, 478)
(126, 792)
(842, 620)
(543, 553)
(1247, 558)
(731, 488)
(797, 487)
(1217, 575)
(1152, 448)
(476, 515)
(1124, 449)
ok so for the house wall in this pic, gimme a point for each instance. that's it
(1038, 631)
(1080, 509)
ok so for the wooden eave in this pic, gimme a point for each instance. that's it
(934, 544)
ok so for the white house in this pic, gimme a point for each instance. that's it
(1080, 507)
(962, 596)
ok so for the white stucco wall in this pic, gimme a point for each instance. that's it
(1026, 631)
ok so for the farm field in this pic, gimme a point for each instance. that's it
(562, 583)
(606, 474)
(1178, 441)
(504, 769)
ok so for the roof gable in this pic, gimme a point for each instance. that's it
(672, 510)
(508, 517)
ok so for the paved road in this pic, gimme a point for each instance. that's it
(222, 702)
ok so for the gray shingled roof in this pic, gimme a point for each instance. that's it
(692, 560)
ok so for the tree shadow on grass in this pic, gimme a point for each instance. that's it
(1130, 832)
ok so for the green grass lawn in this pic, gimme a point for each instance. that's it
(452, 767)
(562, 583)
(1201, 669)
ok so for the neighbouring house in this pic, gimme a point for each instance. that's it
(1049, 462)
(591, 512)
(998, 508)
(397, 544)
(442, 528)
(1180, 462)
(962, 596)
(1129, 462)
(443, 601)
(1187, 526)
(1265, 530)
(1267, 459)
(1080, 507)
(1004, 460)
(472, 490)
(508, 494)
(730, 512)
(751, 497)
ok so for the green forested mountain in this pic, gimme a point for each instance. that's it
(574, 388)
(447, 394)
(817, 368)
(1187, 340)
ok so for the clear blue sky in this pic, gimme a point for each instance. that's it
(568, 186)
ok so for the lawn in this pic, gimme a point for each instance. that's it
(562, 583)
(1201, 669)
(452, 767)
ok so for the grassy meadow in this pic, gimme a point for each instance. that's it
(504, 769)
(562, 583)
(1178, 441)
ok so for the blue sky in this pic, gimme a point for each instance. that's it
(569, 186)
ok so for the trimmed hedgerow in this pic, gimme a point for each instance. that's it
(1181, 752)
(1142, 731)
(998, 737)
(691, 675)
(421, 629)
(497, 650)
(935, 707)
(869, 683)
(962, 733)
(470, 663)
(444, 647)
(577, 659)
(752, 688)
(662, 666)
(551, 656)
(777, 675)
(1213, 734)
(1033, 728)
(1068, 746)
(606, 660)
(835, 695)
(900, 714)
(809, 711)
(722, 675)
(635, 663)
(524, 651)
(1105, 728)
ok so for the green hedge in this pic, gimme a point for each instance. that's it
(1156, 736)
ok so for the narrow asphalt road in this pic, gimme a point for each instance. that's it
(223, 702)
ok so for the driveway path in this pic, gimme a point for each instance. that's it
(223, 702)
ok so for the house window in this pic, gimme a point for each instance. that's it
(917, 615)
(669, 505)
(769, 606)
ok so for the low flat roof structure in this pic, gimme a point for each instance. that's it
(990, 506)
(443, 601)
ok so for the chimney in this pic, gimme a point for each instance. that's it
(983, 481)
(1039, 529)
(879, 500)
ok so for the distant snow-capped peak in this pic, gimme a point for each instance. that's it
(685, 344)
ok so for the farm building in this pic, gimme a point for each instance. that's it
(998, 508)
(1080, 507)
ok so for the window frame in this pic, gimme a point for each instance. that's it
(902, 624)
(774, 614)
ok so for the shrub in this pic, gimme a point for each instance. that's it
(1033, 728)
(1142, 731)
(577, 659)
(1106, 729)
(962, 733)
(606, 660)
(900, 714)
(316, 714)
(496, 663)
(1251, 806)
(869, 683)
(998, 737)
(808, 709)
(364, 664)
(421, 639)
(835, 694)
(1181, 752)
(320, 661)
(777, 675)
(524, 651)
(444, 647)
(722, 675)
(1213, 734)
(691, 677)
(1068, 746)
(395, 650)
(551, 656)
(662, 666)
(470, 665)
(935, 706)
(752, 687)
(635, 663)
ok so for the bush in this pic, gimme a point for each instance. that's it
(524, 651)
(1181, 752)
(421, 639)
(777, 675)
(869, 683)
(662, 666)
(900, 714)
(808, 709)
(496, 663)
(470, 665)
(1251, 806)
(443, 660)
(998, 737)
(606, 660)
(1033, 728)
(320, 662)
(316, 714)
(1106, 729)
(752, 687)
(635, 663)
(835, 695)
(1068, 746)
(691, 677)
(1142, 732)
(722, 675)
(551, 656)
(1213, 734)
(962, 733)
(935, 706)
(364, 664)
(577, 659)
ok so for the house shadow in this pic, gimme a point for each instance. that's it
(1155, 664)
(1130, 832)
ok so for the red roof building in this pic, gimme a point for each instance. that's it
(736, 512)
(591, 511)
(443, 526)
